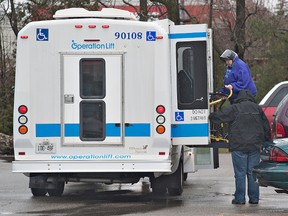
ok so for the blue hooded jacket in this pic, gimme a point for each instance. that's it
(239, 76)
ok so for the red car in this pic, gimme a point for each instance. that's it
(271, 100)
(280, 123)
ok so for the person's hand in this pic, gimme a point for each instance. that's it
(230, 87)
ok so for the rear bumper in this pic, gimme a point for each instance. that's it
(90, 166)
(271, 174)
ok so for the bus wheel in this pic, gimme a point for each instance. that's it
(185, 176)
(176, 187)
(38, 192)
(158, 186)
(58, 191)
(159, 191)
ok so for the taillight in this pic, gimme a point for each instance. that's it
(280, 132)
(160, 109)
(22, 109)
(277, 155)
(160, 129)
(160, 119)
(23, 129)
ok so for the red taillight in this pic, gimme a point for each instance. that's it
(78, 26)
(277, 155)
(22, 109)
(160, 109)
(22, 119)
(280, 132)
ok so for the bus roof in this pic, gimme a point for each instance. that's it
(110, 13)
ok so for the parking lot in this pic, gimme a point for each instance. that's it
(206, 192)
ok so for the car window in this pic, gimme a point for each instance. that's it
(281, 105)
(278, 97)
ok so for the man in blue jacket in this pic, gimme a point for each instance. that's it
(237, 75)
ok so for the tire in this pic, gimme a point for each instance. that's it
(58, 191)
(176, 188)
(37, 192)
(185, 176)
(159, 191)
(158, 186)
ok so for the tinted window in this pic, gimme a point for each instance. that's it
(92, 120)
(191, 75)
(278, 97)
(92, 78)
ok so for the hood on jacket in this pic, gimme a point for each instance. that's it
(245, 95)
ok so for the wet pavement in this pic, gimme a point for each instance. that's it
(206, 192)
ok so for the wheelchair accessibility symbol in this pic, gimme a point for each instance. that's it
(41, 34)
(179, 116)
(150, 36)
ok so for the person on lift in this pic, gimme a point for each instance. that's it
(237, 75)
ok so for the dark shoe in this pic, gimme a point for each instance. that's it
(253, 202)
(239, 203)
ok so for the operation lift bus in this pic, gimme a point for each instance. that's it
(102, 97)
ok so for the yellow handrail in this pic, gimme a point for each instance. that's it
(221, 99)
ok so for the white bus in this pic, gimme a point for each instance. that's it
(102, 97)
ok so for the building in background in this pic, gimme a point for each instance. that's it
(7, 36)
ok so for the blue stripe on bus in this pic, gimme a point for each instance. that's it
(48, 130)
(187, 35)
(137, 130)
(73, 130)
(112, 130)
(189, 130)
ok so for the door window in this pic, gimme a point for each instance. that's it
(92, 120)
(92, 78)
(279, 96)
(191, 75)
(92, 107)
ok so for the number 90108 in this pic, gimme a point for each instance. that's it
(128, 35)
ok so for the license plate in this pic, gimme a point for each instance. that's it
(45, 148)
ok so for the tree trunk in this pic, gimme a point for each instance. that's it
(143, 10)
(210, 14)
(239, 33)
(173, 11)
